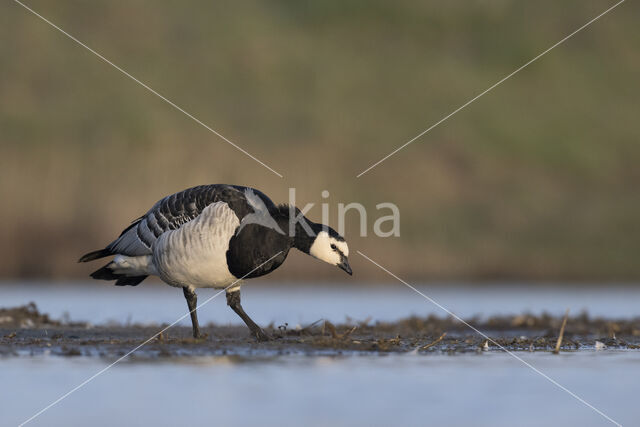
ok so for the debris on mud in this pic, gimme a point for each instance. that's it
(26, 331)
(28, 316)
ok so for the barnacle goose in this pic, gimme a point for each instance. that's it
(211, 236)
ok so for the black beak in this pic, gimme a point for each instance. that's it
(344, 265)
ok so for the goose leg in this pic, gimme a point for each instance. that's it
(233, 301)
(192, 302)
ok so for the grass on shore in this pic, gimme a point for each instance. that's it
(536, 180)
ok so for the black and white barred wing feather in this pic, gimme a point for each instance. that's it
(169, 214)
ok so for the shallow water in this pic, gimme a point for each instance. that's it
(155, 303)
(488, 388)
(485, 389)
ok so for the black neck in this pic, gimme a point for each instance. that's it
(302, 237)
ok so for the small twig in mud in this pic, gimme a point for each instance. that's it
(331, 328)
(334, 333)
(309, 327)
(431, 344)
(365, 322)
(612, 327)
(561, 335)
(349, 332)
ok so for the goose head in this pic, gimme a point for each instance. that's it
(318, 240)
(330, 247)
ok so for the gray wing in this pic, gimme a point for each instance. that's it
(176, 210)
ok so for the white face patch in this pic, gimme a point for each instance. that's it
(342, 246)
(322, 248)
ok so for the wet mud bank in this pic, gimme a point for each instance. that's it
(24, 331)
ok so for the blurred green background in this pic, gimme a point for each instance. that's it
(537, 180)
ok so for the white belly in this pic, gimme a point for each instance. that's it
(195, 254)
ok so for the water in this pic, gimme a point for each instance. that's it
(490, 388)
(487, 389)
(155, 303)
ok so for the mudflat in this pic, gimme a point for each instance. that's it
(24, 331)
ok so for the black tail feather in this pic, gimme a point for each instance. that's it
(130, 281)
(95, 255)
(105, 273)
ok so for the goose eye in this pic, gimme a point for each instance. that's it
(333, 247)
